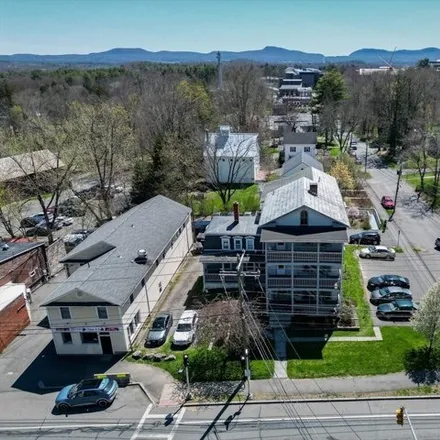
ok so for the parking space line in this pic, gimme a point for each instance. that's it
(141, 422)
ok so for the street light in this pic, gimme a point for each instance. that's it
(247, 373)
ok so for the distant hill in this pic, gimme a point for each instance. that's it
(269, 54)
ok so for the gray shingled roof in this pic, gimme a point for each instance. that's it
(113, 276)
(298, 160)
(295, 194)
(225, 225)
(293, 138)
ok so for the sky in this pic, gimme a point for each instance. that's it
(330, 27)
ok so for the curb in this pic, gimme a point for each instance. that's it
(144, 390)
(316, 400)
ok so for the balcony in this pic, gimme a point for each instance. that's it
(279, 256)
(304, 257)
(213, 281)
(330, 257)
(279, 282)
(304, 309)
(284, 281)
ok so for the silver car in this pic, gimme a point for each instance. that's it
(159, 330)
(381, 252)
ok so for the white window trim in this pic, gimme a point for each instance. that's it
(70, 312)
(106, 311)
(236, 240)
(223, 239)
(250, 240)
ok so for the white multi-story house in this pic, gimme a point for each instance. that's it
(295, 143)
(116, 276)
(231, 157)
(296, 242)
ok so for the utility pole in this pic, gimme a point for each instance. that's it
(188, 385)
(366, 156)
(399, 175)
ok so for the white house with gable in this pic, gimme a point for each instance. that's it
(295, 143)
(231, 157)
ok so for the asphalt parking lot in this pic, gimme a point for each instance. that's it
(400, 266)
(128, 407)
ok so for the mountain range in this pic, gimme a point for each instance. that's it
(269, 54)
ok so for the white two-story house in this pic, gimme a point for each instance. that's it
(231, 157)
(301, 142)
(116, 277)
(296, 242)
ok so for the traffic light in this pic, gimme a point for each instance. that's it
(399, 415)
(185, 360)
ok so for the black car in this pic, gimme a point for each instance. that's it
(399, 309)
(72, 207)
(367, 237)
(386, 281)
(160, 328)
(389, 294)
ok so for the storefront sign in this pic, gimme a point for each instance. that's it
(87, 329)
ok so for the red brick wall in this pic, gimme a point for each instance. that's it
(17, 270)
(13, 319)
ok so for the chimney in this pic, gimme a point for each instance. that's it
(142, 257)
(313, 189)
(236, 212)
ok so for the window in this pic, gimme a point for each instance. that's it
(131, 299)
(67, 338)
(304, 220)
(65, 313)
(160, 286)
(306, 149)
(293, 149)
(238, 244)
(90, 393)
(226, 245)
(89, 338)
(137, 318)
(102, 312)
(250, 245)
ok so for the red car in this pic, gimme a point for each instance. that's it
(387, 202)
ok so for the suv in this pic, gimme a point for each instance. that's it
(186, 328)
(99, 392)
(368, 237)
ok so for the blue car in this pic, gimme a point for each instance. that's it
(99, 392)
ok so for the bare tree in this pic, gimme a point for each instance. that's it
(11, 210)
(41, 172)
(416, 150)
(104, 142)
(228, 166)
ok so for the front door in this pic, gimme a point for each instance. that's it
(106, 344)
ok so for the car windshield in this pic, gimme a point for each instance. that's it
(108, 387)
(371, 248)
(184, 328)
(73, 390)
(159, 324)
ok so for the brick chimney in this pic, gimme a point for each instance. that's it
(236, 212)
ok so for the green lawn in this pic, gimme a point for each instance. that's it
(207, 365)
(414, 179)
(248, 198)
(353, 358)
(352, 288)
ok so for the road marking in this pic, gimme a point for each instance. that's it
(141, 422)
(176, 425)
(315, 418)
(45, 427)
(156, 416)
(153, 436)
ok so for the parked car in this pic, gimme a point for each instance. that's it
(437, 243)
(38, 231)
(398, 309)
(381, 252)
(389, 294)
(367, 237)
(386, 281)
(186, 328)
(34, 220)
(159, 330)
(387, 202)
(99, 392)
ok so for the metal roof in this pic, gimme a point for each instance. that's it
(114, 276)
(294, 195)
(300, 159)
(234, 145)
(20, 165)
(225, 225)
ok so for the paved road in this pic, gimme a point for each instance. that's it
(372, 420)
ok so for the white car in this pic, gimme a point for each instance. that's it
(186, 328)
(381, 252)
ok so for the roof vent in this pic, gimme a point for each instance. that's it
(313, 189)
(5, 247)
(142, 257)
